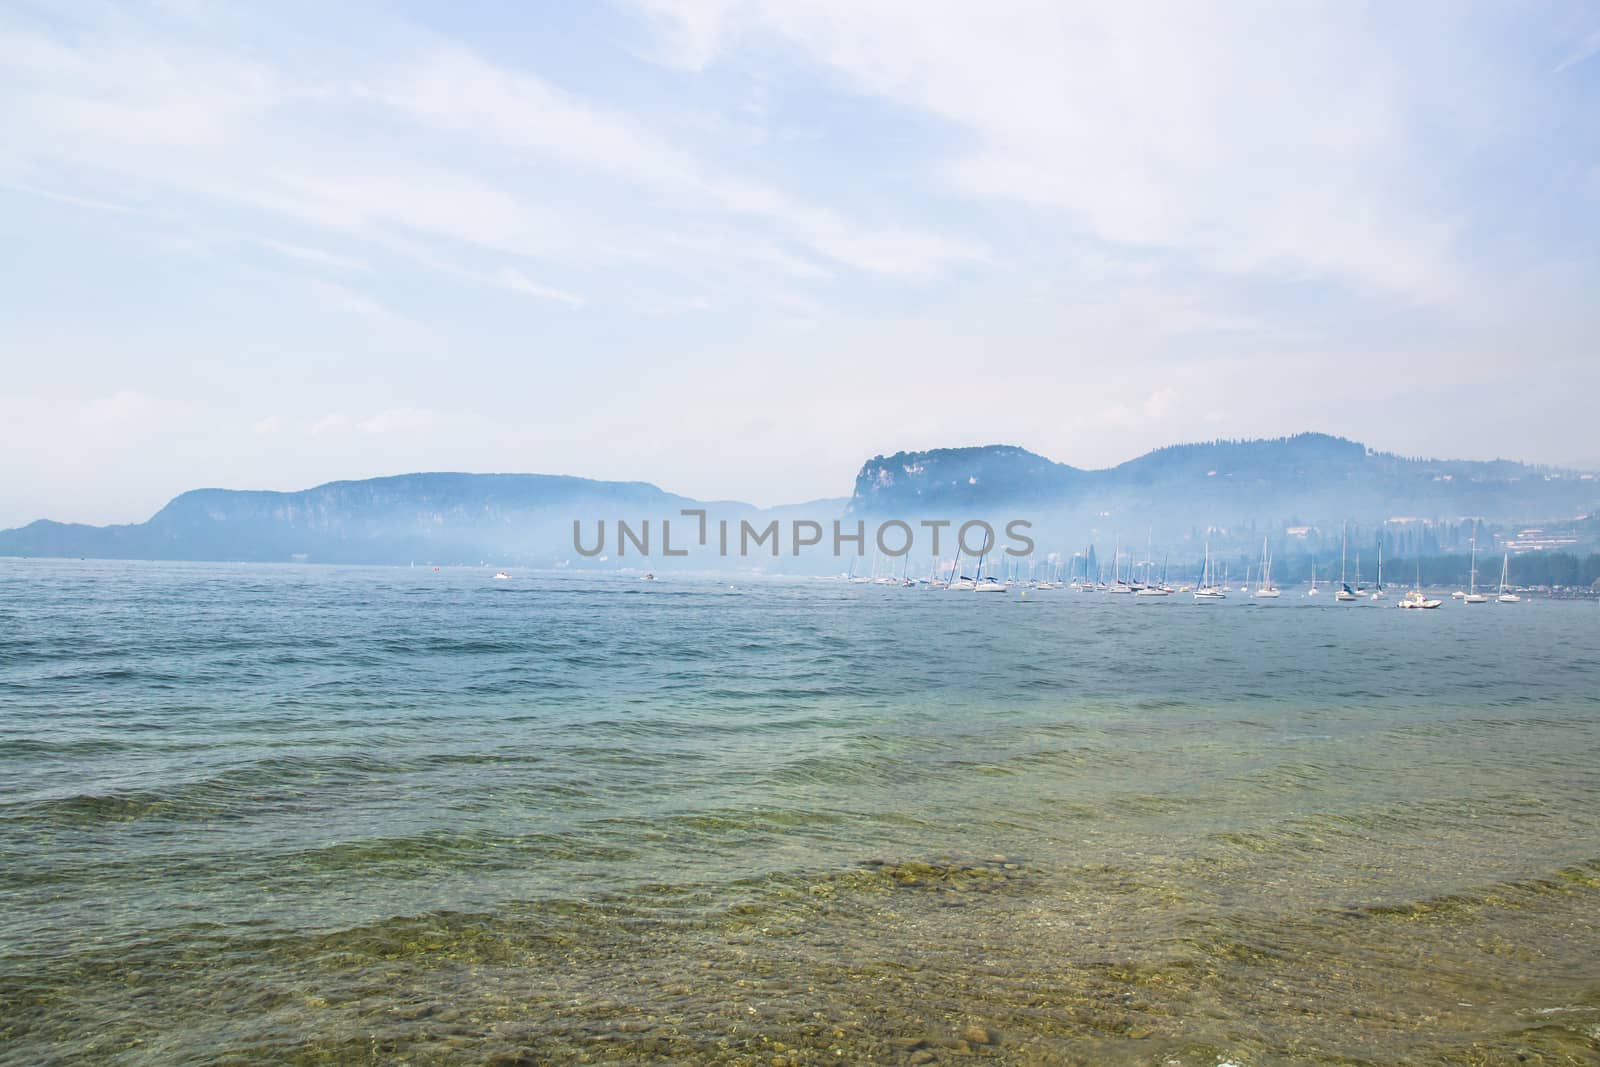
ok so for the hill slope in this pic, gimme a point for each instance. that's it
(1310, 478)
(1171, 496)
(445, 517)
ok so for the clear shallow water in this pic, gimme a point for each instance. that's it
(321, 815)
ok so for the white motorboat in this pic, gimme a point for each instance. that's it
(1415, 598)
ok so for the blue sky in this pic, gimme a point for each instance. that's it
(737, 248)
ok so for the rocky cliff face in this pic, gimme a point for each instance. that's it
(1311, 478)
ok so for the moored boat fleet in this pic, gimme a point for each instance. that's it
(1127, 576)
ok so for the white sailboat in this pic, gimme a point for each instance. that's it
(1377, 590)
(1345, 593)
(1151, 586)
(1313, 590)
(1117, 584)
(1505, 574)
(1090, 584)
(1208, 589)
(1473, 596)
(958, 581)
(1266, 590)
(980, 584)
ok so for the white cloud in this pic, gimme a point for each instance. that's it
(122, 412)
(514, 279)
(821, 227)
(518, 111)
(92, 203)
(208, 117)
(1253, 143)
(397, 420)
(1585, 50)
(368, 309)
(316, 256)
(1160, 403)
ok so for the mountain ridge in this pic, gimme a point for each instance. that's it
(1249, 469)
(1295, 481)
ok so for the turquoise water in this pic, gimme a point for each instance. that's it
(256, 814)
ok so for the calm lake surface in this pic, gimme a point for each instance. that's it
(305, 815)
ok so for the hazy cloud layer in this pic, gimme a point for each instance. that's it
(736, 248)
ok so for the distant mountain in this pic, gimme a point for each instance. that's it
(1306, 479)
(961, 477)
(1305, 491)
(447, 518)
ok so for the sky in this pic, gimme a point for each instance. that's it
(737, 248)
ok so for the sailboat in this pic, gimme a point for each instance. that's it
(1152, 587)
(1147, 585)
(1266, 590)
(1345, 593)
(1089, 582)
(1118, 585)
(1415, 599)
(1377, 590)
(1313, 590)
(1473, 596)
(1208, 589)
(980, 584)
(1505, 573)
(957, 579)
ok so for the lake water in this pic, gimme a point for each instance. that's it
(274, 814)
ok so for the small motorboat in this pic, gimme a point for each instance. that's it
(1415, 599)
